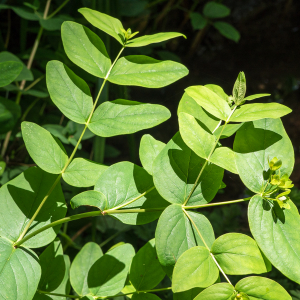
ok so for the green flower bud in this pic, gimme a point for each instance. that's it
(275, 180)
(275, 164)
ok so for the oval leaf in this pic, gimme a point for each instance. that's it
(81, 265)
(125, 117)
(274, 230)
(46, 151)
(9, 71)
(89, 198)
(215, 10)
(176, 169)
(141, 70)
(175, 234)
(227, 30)
(10, 112)
(85, 49)
(225, 158)
(194, 268)
(69, 92)
(220, 291)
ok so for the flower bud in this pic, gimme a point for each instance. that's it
(275, 164)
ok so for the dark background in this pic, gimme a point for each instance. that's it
(268, 52)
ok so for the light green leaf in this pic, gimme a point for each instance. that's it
(23, 195)
(210, 101)
(9, 71)
(141, 70)
(261, 288)
(125, 181)
(175, 234)
(145, 296)
(55, 271)
(124, 117)
(238, 254)
(84, 260)
(152, 39)
(83, 172)
(57, 131)
(239, 88)
(20, 271)
(69, 92)
(227, 30)
(229, 130)
(252, 97)
(217, 90)
(46, 151)
(10, 112)
(215, 10)
(85, 49)
(194, 268)
(25, 73)
(223, 291)
(197, 20)
(106, 23)
(225, 158)
(188, 105)
(197, 138)
(54, 23)
(254, 143)
(108, 274)
(274, 230)
(21, 12)
(149, 149)
(90, 198)
(146, 272)
(176, 169)
(256, 111)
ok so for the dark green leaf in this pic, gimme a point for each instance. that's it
(145, 296)
(141, 70)
(215, 10)
(21, 12)
(274, 230)
(23, 195)
(10, 112)
(197, 20)
(54, 23)
(227, 30)
(187, 295)
(9, 71)
(90, 198)
(125, 117)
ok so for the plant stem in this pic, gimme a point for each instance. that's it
(34, 83)
(209, 156)
(55, 294)
(32, 104)
(58, 9)
(217, 203)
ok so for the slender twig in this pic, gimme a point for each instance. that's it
(8, 29)
(217, 203)
(34, 83)
(57, 10)
(32, 104)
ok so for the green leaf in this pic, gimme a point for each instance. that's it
(46, 151)
(274, 230)
(187, 295)
(36, 93)
(229, 130)
(176, 169)
(146, 272)
(227, 30)
(10, 112)
(141, 70)
(197, 138)
(210, 101)
(20, 271)
(238, 254)
(124, 117)
(197, 20)
(175, 234)
(23, 195)
(188, 105)
(217, 90)
(149, 149)
(85, 49)
(55, 271)
(25, 73)
(90, 198)
(83, 172)
(57, 131)
(125, 181)
(225, 158)
(21, 12)
(69, 92)
(194, 268)
(108, 274)
(239, 89)
(262, 289)
(145, 296)
(9, 71)
(106, 23)
(223, 291)
(54, 23)
(252, 97)
(215, 10)
(84, 260)
(254, 143)
(152, 39)
(256, 111)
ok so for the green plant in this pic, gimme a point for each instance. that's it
(176, 179)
